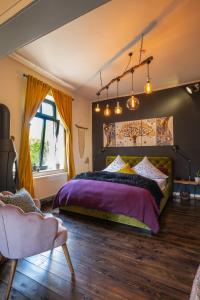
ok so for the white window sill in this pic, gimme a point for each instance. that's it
(48, 173)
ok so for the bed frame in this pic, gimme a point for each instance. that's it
(162, 163)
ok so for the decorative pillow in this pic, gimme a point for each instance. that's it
(1, 202)
(21, 199)
(162, 183)
(127, 170)
(116, 165)
(147, 169)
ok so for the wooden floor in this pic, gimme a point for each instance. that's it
(114, 262)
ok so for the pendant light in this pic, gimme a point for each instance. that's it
(107, 111)
(118, 108)
(132, 102)
(148, 86)
(97, 108)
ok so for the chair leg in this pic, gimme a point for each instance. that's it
(10, 280)
(67, 256)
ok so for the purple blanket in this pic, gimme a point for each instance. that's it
(111, 197)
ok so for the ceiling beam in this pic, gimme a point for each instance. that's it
(40, 18)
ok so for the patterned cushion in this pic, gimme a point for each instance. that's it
(116, 165)
(127, 170)
(21, 199)
(162, 183)
(1, 202)
(147, 169)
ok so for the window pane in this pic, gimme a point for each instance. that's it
(47, 140)
(49, 146)
(47, 109)
(35, 141)
(54, 148)
(60, 148)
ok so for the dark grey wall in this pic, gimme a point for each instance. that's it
(174, 102)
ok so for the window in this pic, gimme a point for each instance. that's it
(47, 138)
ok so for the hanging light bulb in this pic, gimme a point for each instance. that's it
(97, 108)
(107, 111)
(132, 102)
(118, 108)
(148, 86)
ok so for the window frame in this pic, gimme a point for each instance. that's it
(46, 117)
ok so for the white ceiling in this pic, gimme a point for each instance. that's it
(102, 39)
(9, 8)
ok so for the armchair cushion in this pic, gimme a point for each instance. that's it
(21, 199)
(37, 203)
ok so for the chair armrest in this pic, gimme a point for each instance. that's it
(37, 203)
(36, 235)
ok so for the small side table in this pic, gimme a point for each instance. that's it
(186, 189)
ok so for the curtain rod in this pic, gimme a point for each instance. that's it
(132, 69)
(25, 75)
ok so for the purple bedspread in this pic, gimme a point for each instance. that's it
(111, 197)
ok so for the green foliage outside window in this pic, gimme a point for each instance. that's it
(35, 146)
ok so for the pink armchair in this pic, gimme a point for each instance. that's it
(26, 234)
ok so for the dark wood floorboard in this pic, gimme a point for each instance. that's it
(113, 261)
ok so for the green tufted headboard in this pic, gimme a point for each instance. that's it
(163, 163)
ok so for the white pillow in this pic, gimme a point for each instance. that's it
(116, 165)
(147, 169)
(161, 183)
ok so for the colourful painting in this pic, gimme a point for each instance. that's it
(164, 131)
(147, 132)
(128, 133)
(109, 139)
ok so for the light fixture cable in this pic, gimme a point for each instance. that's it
(141, 48)
(101, 81)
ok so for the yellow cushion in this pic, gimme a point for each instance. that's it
(127, 170)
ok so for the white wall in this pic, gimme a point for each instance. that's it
(82, 116)
(12, 94)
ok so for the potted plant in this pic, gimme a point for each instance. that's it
(197, 177)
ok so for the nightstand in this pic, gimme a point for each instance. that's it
(186, 189)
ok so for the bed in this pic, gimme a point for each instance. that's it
(141, 221)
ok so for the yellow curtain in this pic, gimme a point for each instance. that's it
(36, 91)
(64, 106)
